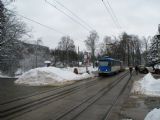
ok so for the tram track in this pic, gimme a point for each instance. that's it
(73, 113)
(13, 108)
(16, 110)
(37, 93)
(115, 100)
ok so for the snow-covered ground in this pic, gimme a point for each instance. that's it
(157, 66)
(50, 76)
(81, 70)
(148, 85)
(3, 76)
(153, 115)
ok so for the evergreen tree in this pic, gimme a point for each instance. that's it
(154, 52)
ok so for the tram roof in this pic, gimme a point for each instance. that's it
(108, 58)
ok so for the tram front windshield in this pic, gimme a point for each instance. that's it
(103, 63)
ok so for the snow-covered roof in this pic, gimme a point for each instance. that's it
(108, 58)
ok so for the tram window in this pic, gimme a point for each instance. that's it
(103, 63)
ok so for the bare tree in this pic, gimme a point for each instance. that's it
(12, 31)
(2, 18)
(146, 45)
(91, 44)
(146, 42)
(66, 44)
(106, 46)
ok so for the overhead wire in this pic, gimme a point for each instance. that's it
(113, 13)
(53, 29)
(34, 21)
(74, 20)
(112, 17)
(41, 24)
(80, 19)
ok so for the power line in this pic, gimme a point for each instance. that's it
(68, 16)
(43, 25)
(48, 27)
(113, 13)
(74, 14)
(114, 21)
(110, 14)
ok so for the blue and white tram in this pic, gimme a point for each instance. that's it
(109, 65)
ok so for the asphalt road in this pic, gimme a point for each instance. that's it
(9, 90)
(85, 100)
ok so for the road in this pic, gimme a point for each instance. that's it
(9, 90)
(93, 99)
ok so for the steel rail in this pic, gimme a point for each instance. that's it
(108, 113)
(19, 108)
(40, 93)
(92, 99)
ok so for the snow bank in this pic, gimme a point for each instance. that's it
(126, 119)
(81, 69)
(147, 86)
(153, 115)
(3, 76)
(49, 76)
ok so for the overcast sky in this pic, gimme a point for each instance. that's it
(140, 17)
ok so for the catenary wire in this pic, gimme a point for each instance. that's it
(43, 25)
(113, 13)
(73, 14)
(68, 16)
(116, 24)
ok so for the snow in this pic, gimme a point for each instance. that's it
(19, 72)
(126, 119)
(153, 115)
(147, 86)
(50, 76)
(82, 70)
(3, 76)
(47, 62)
(157, 66)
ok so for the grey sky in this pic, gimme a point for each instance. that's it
(140, 17)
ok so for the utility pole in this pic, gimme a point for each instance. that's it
(67, 59)
(128, 54)
(36, 52)
(86, 61)
(38, 40)
(78, 56)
